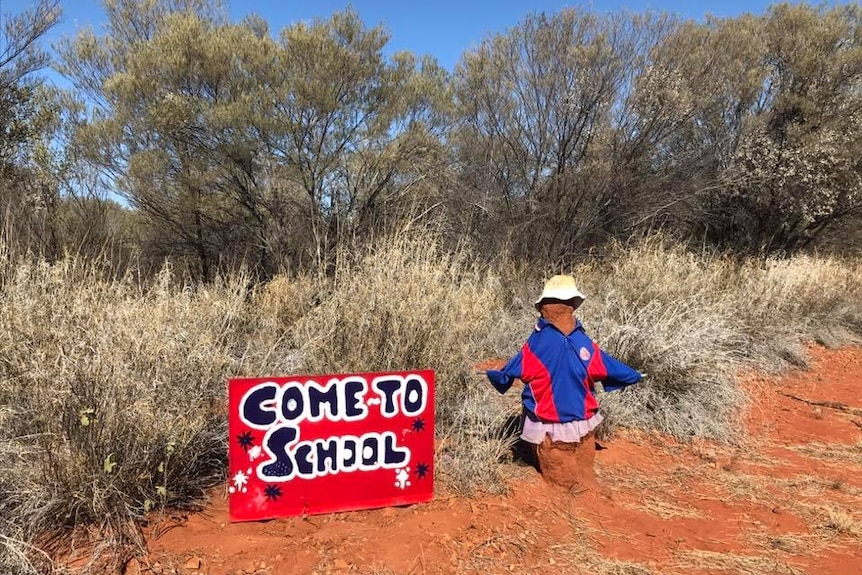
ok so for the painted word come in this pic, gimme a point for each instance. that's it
(318, 444)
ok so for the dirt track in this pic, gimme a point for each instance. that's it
(787, 501)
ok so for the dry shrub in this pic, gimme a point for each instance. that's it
(658, 308)
(782, 303)
(283, 300)
(691, 320)
(112, 397)
(407, 304)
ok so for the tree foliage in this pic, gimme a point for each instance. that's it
(797, 170)
(577, 127)
(237, 145)
(551, 126)
(27, 199)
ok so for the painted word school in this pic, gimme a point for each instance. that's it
(279, 409)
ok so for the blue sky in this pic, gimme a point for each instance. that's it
(442, 28)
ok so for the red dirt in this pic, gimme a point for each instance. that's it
(789, 500)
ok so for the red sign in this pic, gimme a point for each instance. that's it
(303, 445)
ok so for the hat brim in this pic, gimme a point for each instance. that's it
(578, 300)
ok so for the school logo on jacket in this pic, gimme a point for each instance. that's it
(585, 354)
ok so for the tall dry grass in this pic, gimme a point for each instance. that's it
(112, 389)
(663, 310)
(111, 397)
(782, 303)
(692, 320)
(407, 303)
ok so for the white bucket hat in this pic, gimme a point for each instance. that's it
(561, 288)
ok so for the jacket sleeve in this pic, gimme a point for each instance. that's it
(613, 373)
(502, 379)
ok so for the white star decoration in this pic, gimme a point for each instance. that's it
(239, 481)
(402, 478)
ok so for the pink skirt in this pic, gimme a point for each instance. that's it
(571, 432)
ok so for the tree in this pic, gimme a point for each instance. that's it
(796, 171)
(151, 82)
(237, 147)
(682, 120)
(25, 205)
(356, 135)
(547, 120)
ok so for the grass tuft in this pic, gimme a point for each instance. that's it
(713, 561)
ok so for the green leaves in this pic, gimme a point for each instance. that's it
(109, 464)
(85, 416)
(231, 142)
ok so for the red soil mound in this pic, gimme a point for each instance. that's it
(788, 500)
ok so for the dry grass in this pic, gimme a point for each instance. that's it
(656, 308)
(842, 522)
(789, 544)
(664, 509)
(832, 452)
(111, 389)
(112, 397)
(830, 519)
(527, 551)
(815, 486)
(690, 390)
(583, 558)
(826, 505)
(715, 562)
(789, 301)
(691, 321)
(604, 566)
(751, 488)
(407, 304)
(669, 481)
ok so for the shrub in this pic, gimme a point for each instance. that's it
(661, 310)
(112, 391)
(692, 320)
(405, 304)
(782, 303)
(112, 396)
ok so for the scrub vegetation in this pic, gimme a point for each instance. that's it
(212, 199)
(113, 388)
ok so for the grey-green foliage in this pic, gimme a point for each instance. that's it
(549, 131)
(21, 53)
(235, 144)
(575, 127)
(796, 170)
(26, 196)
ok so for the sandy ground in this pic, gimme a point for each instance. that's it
(789, 500)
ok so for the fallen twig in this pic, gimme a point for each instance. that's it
(830, 404)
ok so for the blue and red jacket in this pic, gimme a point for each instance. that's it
(559, 374)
